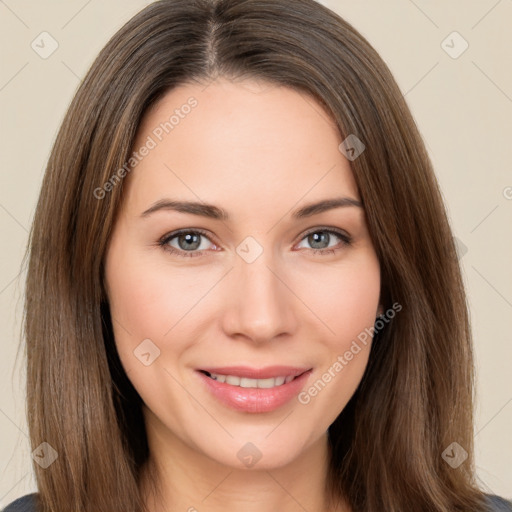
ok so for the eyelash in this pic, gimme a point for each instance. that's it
(164, 241)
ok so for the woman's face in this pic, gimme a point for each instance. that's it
(271, 283)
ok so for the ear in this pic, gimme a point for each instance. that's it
(380, 310)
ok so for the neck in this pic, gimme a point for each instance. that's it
(177, 477)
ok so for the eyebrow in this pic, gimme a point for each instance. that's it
(214, 212)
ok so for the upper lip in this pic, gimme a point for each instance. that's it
(257, 373)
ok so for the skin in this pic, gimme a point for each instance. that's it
(260, 152)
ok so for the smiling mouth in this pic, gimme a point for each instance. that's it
(245, 382)
(254, 390)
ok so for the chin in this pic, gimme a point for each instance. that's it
(258, 452)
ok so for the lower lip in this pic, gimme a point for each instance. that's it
(255, 400)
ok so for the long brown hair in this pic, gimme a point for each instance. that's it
(416, 396)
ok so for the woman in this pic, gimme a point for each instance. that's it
(191, 343)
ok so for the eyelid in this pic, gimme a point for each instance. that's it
(173, 234)
(326, 229)
(164, 240)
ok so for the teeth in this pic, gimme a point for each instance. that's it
(244, 382)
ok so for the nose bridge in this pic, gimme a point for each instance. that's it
(260, 305)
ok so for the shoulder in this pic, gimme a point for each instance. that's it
(26, 503)
(498, 504)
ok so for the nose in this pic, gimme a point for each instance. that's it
(259, 305)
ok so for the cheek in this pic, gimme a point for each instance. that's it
(146, 308)
(344, 297)
(346, 300)
(149, 301)
(140, 302)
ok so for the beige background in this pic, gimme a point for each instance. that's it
(463, 107)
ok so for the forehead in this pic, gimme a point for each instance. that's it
(246, 140)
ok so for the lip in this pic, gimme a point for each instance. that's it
(257, 373)
(255, 400)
